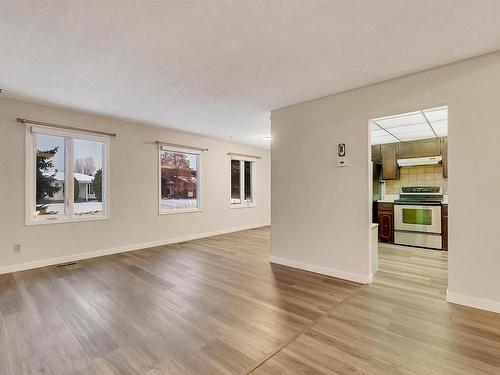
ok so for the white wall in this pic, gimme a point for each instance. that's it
(133, 187)
(320, 212)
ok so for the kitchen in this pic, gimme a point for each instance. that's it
(409, 157)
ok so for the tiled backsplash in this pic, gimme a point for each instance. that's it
(425, 175)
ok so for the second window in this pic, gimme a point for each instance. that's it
(242, 183)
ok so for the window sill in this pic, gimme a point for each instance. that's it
(64, 220)
(248, 205)
(180, 211)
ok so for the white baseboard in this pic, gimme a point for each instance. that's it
(362, 279)
(478, 303)
(120, 249)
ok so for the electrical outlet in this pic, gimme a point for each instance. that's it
(217, 221)
(17, 248)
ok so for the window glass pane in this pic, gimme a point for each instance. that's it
(417, 216)
(179, 180)
(87, 177)
(50, 165)
(248, 181)
(235, 182)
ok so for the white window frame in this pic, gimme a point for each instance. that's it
(174, 211)
(242, 203)
(68, 216)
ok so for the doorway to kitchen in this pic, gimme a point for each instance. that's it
(409, 181)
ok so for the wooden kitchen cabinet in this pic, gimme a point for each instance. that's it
(444, 226)
(429, 147)
(376, 155)
(390, 170)
(390, 153)
(443, 144)
(386, 222)
(406, 150)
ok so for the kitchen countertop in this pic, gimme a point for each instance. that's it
(392, 198)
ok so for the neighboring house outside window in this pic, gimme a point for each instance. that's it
(67, 176)
(179, 180)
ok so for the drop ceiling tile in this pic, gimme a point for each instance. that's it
(411, 126)
(411, 136)
(436, 114)
(403, 120)
(402, 130)
(440, 127)
(379, 139)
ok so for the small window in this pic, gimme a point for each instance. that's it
(242, 183)
(179, 181)
(66, 176)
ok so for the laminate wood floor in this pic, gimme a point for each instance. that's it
(216, 306)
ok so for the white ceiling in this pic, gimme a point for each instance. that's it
(428, 123)
(218, 67)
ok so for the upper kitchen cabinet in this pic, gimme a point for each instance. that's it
(418, 149)
(443, 143)
(390, 170)
(406, 150)
(376, 155)
(429, 147)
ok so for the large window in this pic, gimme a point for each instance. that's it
(66, 174)
(179, 180)
(242, 182)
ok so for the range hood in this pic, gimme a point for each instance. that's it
(430, 160)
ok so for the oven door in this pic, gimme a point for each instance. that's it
(417, 218)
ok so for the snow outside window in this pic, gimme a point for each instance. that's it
(67, 176)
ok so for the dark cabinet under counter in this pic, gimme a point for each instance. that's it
(386, 222)
(444, 226)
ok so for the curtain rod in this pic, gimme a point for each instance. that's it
(238, 154)
(203, 149)
(33, 122)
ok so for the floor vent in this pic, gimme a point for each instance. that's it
(66, 264)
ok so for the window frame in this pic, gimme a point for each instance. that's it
(242, 160)
(30, 176)
(198, 180)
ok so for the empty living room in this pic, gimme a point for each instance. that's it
(249, 187)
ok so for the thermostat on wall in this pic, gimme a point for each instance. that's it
(341, 150)
(341, 153)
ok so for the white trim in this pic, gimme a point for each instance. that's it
(243, 205)
(62, 220)
(180, 150)
(235, 156)
(121, 249)
(362, 279)
(478, 303)
(173, 211)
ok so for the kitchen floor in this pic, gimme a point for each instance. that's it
(400, 324)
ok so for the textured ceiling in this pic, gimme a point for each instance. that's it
(218, 67)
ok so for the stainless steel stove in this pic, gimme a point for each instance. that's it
(417, 217)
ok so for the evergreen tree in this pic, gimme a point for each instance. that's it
(45, 184)
(98, 185)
